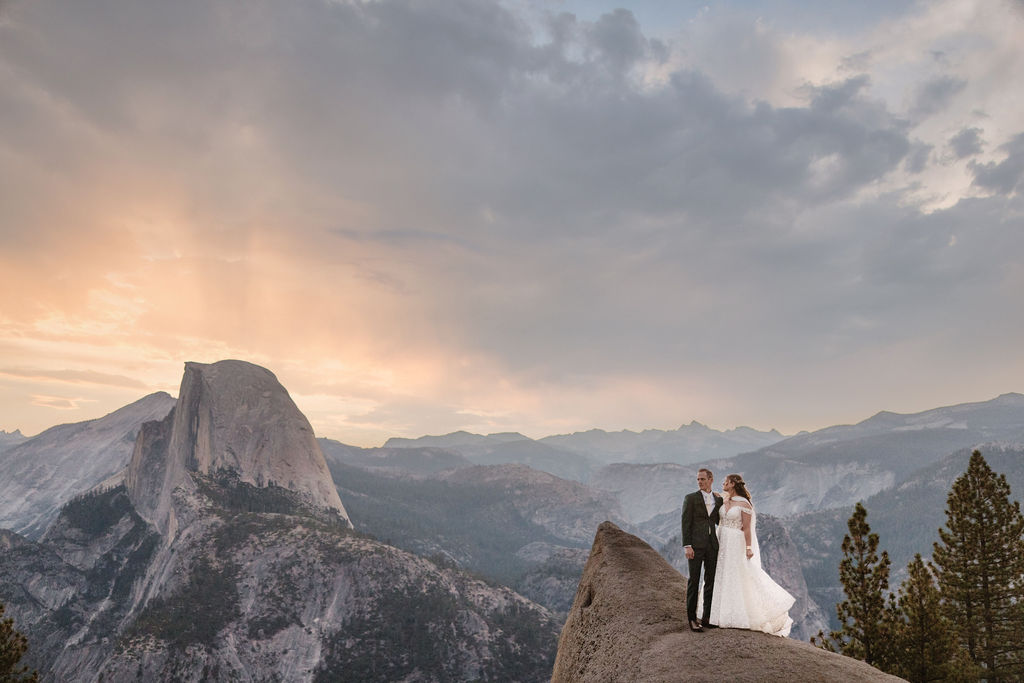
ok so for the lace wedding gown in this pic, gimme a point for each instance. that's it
(745, 596)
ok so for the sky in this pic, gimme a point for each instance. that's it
(541, 216)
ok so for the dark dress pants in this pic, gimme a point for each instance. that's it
(708, 559)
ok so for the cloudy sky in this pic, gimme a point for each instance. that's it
(532, 215)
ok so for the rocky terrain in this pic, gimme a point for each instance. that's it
(40, 474)
(627, 623)
(219, 557)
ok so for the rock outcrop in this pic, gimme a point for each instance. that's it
(627, 623)
(40, 474)
(232, 416)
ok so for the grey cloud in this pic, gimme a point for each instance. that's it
(935, 95)
(1006, 176)
(617, 38)
(917, 158)
(559, 216)
(966, 143)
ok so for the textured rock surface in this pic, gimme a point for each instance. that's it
(235, 416)
(254, 596)
(40, 474)
(627, 623)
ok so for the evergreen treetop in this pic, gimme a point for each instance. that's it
(12, 646)
(980, 570)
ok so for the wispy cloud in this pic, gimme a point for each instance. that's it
(57, 402)
(71, 377)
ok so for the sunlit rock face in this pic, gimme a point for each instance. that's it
(234, 416)
(628, 623)
(40, 474)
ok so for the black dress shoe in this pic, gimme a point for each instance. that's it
(695, 626)
(705, 624)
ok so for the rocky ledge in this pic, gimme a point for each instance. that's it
(628, 623)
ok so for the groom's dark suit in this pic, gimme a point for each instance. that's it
(699, 534)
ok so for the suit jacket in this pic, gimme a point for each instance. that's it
(698, 525)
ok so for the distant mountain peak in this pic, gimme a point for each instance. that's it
(231, 415)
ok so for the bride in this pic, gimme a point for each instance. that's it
(744, 595)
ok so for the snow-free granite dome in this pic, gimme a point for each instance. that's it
(229, 415)
(628, 623)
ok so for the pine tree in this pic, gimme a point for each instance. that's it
(867, 621)
(924, 643)
(980, 570)
(12, 646)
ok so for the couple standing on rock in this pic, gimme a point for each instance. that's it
(719, 536)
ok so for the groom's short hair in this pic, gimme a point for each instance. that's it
(706, 471)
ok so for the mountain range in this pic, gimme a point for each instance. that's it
(223, 552)
(579, 455)
(225, 495)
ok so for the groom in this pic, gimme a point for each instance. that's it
(700, 544)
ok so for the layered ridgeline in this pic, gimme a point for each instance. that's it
(837, 466)
(40, 474)
(579, 455)
(227, 554)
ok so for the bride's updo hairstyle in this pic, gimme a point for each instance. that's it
(739, 487)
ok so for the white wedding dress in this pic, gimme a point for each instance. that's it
(745, 596)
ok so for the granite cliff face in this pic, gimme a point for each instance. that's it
(40, 474)
(627, 623)
(232, 416)
(220, 556)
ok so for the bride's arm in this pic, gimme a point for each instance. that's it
(745, 519)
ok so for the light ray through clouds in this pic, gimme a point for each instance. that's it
(535, 215)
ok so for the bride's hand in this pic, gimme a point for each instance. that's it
(750, 553)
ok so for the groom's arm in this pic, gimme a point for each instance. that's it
(687, 521)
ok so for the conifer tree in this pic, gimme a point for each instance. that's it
(867, 621)
(924, 642)
(12, 646)
(980, 570)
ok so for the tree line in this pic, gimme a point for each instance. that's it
(957, 617)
